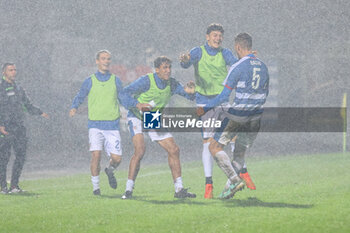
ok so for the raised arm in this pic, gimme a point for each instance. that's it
(188, 59)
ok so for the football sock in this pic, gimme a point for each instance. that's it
(232, 146)
(95, 180)
(110, 168)
(228, 183)
(207, 160)
(178, 184)
(208, 180)
(244, 170)
(224, 163)
(130, 185)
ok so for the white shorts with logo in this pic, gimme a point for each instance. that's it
(108, 139)
(136, 126)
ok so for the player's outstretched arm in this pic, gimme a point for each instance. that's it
(45, 115)
(3, 131)
(185, 57)
(188, 59)
(187, 91)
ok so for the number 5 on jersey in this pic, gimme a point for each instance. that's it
(256, 78)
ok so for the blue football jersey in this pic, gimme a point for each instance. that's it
(251, 79)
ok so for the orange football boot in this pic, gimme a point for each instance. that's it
(248, 181)
(208, 191)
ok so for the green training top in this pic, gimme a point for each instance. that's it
(210, 72)
(160, 97)
(102, 100)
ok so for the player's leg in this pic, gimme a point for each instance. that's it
(167, 142)
(5, 153)
(221, 138)
(207, 159)
(238, 162)
(111, 167)
(113, 149)
(208, 162)
(173, 151)
(20, 148)
(244, 141)
(96, 141)
(95, 171)
(135, 163)
(135, 128)
(243, 173)
(223, 161)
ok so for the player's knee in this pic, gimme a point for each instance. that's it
(174, 150)
(213, 148)
(116, 159)
(139, 153)
(240, 150)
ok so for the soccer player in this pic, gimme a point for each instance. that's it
(210, 63)
(103, 90)
(14, 102)
(153, 92)
(251, 79)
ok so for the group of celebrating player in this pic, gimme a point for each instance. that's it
(152, 92)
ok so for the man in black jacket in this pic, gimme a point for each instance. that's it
(13, 103)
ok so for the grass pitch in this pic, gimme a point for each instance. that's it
(299, 193)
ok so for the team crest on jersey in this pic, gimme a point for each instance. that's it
(152, 120)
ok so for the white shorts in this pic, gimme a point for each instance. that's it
(212, 113)
(135, 127)
(108, 139)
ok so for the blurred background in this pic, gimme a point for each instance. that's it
(305, 44)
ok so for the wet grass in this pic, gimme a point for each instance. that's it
(302, 193)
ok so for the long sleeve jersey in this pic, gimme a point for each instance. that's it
(249, 76)
(84, 91)
(142, 85)
(196, 55)
(14, 102)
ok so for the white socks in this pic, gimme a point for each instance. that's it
(178, 184)
(232, 146)
(207, 160)
(111, 168)
(95, 180)
(224, 163)
(130, 185)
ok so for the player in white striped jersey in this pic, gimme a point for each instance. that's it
(249, 76)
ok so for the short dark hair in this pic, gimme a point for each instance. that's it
(160, 60)
(244, 40)
(102, 51)
(215, 27)
(5, 65)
